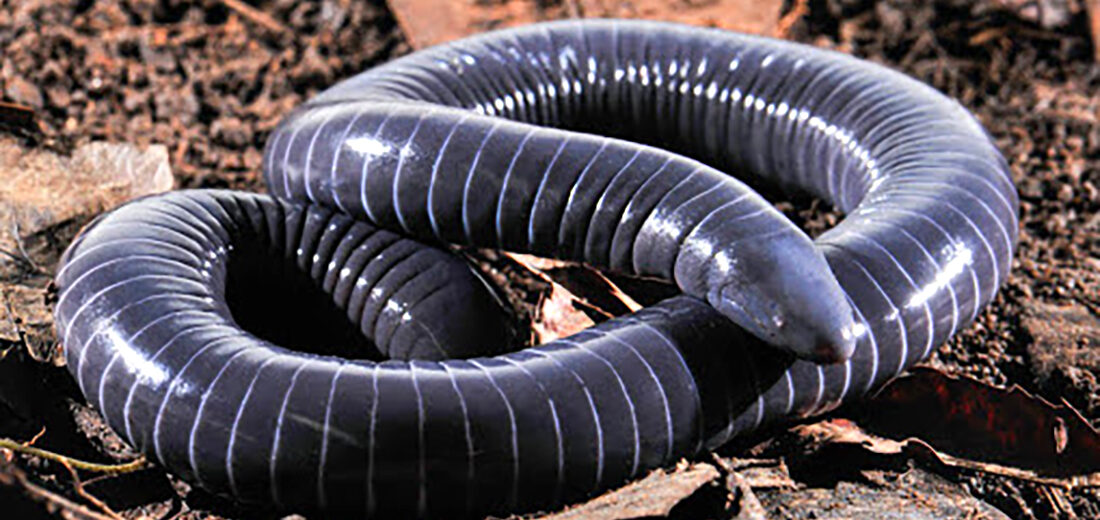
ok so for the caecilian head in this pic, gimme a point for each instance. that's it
(783, 292)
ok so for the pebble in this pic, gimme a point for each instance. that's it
(23, 92)
(231, 132)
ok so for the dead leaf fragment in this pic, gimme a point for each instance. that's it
(43, 190)
(558, 316)
(843, 433)
(583, 281)
(25, 318)
(21, 91)
(974, 421)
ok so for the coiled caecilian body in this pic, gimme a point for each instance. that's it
(528, 140)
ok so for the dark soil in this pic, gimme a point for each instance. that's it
(193, 75)
(210, 84)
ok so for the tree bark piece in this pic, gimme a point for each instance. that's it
(431, 22)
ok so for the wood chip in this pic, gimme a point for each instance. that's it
(255, 15)
(747, 16)
(429, 22)
(653, 496)
(1093, 8)
(16, 115)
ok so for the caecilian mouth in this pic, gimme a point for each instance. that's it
(753, 322)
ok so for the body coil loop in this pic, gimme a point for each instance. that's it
(548, 139)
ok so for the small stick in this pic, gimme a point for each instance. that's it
(55, 500)
(22, 250)
(108, 469)
(79, 487)
(36, 437)
(749, 504)
(255, 15)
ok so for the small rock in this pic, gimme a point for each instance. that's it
(1048, 14)
(1063, 343)
(23, 92)
(134, 100)
(1065, 193)
(59, 96)
(1091, 192)
(136, 75)
(253, 159)
(891, 17)
(180, 104)
(311, 70)
(231, 132)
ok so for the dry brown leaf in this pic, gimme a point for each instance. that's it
(583, 281)
(25, 318)
(42, 189)
(844, 432)
(975, 421)
(44, 199)
(558, 316)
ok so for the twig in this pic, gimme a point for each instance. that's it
(14, 325)
(49, 497)
(255, 15)
(5, 351)
(14, 257)
(749, 506)
(79, 487)
(36, 437)
(26, 257)
(19, 245)
(109, 469)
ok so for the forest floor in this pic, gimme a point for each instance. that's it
(191, 89)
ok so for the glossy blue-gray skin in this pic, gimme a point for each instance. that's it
(414, 146)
